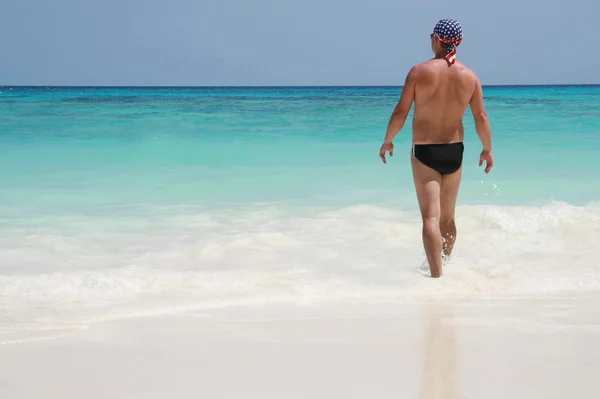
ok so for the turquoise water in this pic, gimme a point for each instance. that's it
(76, 146)
(123, 200)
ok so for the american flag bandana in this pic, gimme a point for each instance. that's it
(449, 31)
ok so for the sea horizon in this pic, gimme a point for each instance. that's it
(282, 86)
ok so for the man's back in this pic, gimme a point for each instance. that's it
(442, 94)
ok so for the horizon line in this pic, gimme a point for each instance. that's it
(280, 86)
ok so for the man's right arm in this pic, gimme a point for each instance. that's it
(482, 123)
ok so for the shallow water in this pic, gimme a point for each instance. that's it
(128, 201)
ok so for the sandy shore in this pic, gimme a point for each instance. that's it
(501, 348)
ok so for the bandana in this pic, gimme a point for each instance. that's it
(450, 32)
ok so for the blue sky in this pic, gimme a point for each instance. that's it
(289, 42)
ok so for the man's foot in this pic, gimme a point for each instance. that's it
(446, 259)
(424, 269)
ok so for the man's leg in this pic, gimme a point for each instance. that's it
(449, 193)
(427, 185)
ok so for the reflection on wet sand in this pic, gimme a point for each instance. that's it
(439, 380)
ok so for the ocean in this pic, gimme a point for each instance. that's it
(118, 202)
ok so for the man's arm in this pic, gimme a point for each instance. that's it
(482, 123)
(403, 107)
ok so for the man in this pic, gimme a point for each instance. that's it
(441, 89)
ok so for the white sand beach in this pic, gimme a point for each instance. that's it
(201, 200)
(513, 347)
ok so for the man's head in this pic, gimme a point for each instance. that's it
(447, 35)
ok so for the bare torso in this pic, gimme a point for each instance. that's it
(442, 94)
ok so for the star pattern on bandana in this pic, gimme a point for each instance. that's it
(449, 31)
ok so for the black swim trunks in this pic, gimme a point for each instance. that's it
(445, 158)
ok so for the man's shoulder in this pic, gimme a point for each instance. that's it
(465, 68)
(421, 70)
(432, 65)
(466, 72)
(422, 67)
(428, 70)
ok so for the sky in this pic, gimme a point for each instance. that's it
(289, 42)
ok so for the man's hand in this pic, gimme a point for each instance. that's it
(488, 158)
(386, 147)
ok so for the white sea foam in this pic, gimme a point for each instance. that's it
(73, 270)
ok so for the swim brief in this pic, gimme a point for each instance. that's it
(444, 158)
